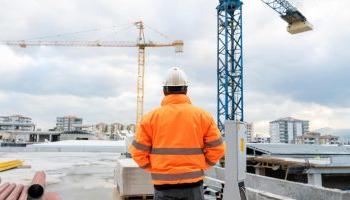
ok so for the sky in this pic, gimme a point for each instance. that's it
(305, 76)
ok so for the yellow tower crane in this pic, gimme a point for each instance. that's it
(141, 44)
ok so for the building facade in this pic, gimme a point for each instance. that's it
(250, 132)
(317, 138)
(131, 128)
(69, 123)
(286, 130)
(16, 123)
(101, 127)
(309, 138)
(260, 138)
(114, 131)
(15, 128)
(76, 135)
(329, 139)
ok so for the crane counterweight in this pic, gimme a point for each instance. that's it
(299, 27)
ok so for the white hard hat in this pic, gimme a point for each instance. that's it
(176, 77)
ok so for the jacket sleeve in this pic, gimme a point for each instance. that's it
(214, 147)
(141, 146)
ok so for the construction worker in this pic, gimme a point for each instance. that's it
(176, 143)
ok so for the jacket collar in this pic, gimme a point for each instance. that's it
(176, 99)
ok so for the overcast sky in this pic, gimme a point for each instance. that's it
(305, 76)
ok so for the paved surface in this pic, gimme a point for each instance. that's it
(88, 176)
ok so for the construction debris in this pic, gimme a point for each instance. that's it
(10, 165)
(24, 167)
(12, 191)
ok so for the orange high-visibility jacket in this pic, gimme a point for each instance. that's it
(176, 142)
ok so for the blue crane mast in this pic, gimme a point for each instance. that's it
(230, 53)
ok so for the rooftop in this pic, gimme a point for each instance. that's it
(302, 162)
(298, 149)
(79, 146)
(289, 119)
(19, 116)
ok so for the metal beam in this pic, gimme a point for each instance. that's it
(229, 62)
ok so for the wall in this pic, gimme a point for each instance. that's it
(294, 190)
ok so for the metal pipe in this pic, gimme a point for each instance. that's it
(286, 176)
(5, 193)
(51, 196)
(24, 194)
(4, 186)
(15, 193)
(37, 188)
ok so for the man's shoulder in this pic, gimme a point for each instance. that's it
(151, 113)
(201, 111)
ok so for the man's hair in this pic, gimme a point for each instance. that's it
(174, 90)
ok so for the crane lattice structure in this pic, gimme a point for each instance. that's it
(141, 44)
(230, 53)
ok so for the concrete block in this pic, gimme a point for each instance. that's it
(132, 180)
(299, 27)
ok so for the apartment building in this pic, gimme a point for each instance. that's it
(286, 130)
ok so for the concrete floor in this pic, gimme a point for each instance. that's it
(88, 176)
(82, 175)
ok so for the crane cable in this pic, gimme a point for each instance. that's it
(121, 28)
(158, 32)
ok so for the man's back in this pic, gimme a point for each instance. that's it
(180, 141)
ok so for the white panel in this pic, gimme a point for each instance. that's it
(131, 179)
(275, 133)
(235, 158)
(299, 128)
(290, 132)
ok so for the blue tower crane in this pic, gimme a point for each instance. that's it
(230, 53)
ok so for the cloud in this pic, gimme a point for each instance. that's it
(311, 67)
(261, 108)
(11, 63)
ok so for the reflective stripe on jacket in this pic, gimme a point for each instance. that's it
(177, 142)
